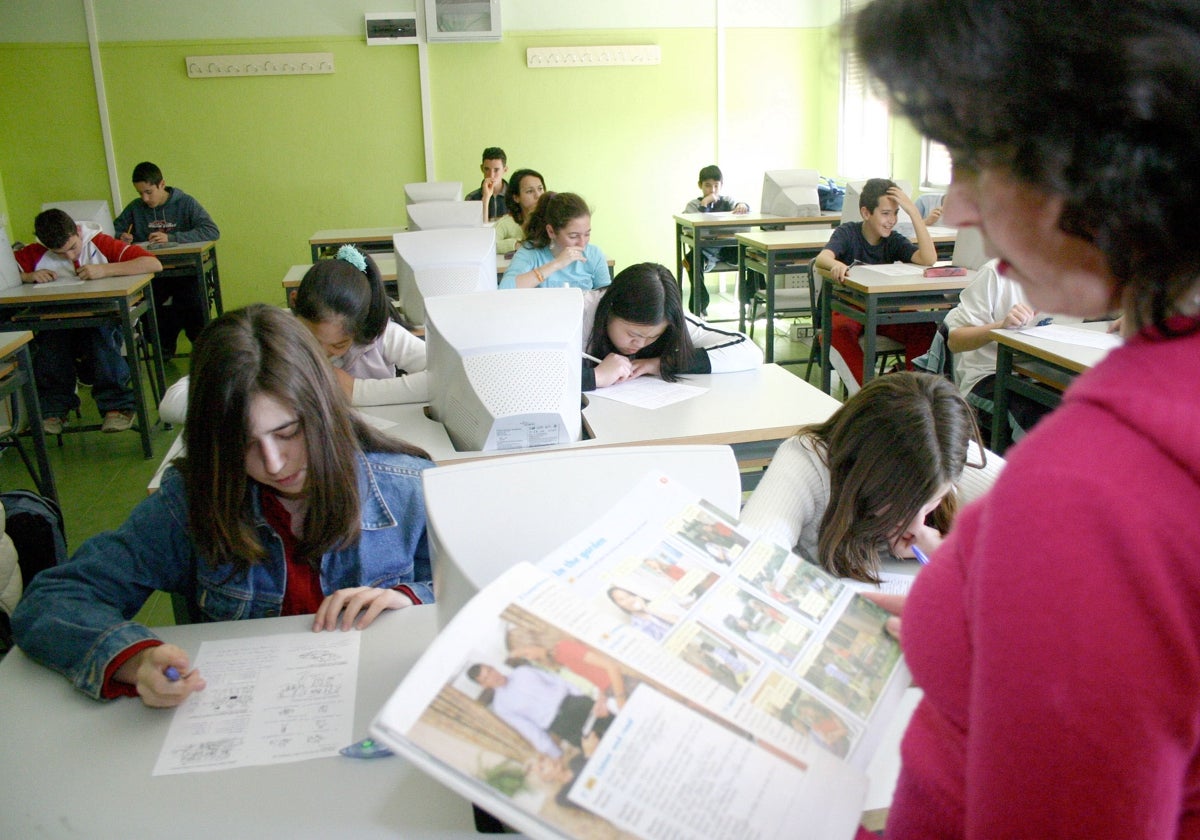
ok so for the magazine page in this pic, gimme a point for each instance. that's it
(517, 709)
(773, 643)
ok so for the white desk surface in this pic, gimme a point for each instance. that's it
(82, 768)
(784, 240)
(13, 340)
(366, 234)
(180, 248)
(862, 279)
(703, 220)
(766, 403)
(1073, 357)
(107, 287)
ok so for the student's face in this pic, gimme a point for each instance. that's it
(530, 191)
(331, 335)
(905, 535)
(70, 249)
(276, 455)
(1058, 272)
(629, 337)
(153, 195)
(710, 186)
(574, 234)
(879, 222)
(493, 170)
(489, 677)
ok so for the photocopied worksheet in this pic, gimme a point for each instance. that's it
(648, 392)
(268, 700)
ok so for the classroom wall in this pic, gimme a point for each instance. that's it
(276, 158)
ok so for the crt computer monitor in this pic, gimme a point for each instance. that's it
(431, 215)
(87, 211)
(507, 367)
(421, 191)
(968, 248)
(850, 206)
(791, 192)
(443, 262)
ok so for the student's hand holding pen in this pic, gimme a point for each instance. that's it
(162, 675)
(157, 236)
(127, 236)
(1021, 315)
(615, 368)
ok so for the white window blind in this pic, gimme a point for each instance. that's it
(935, 164)
(864, 143)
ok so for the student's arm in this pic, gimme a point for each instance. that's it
(973, 337)
(123, 224)
(787, 500)
(527, 271)
(987, 303)
(831, 267)
(406, 352)
(721, 351)
(926, 252)
(508, 234)
(123, 260)
(173, 407)
(27, 259)
(201, 229)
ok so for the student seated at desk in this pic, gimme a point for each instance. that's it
(344, 304)
(556, 251)
(637, 327)
(69, 250)
(493, 187)
(286, 504)
(524, 189)
(989, 302)
(885, 473)
(873, 242)
(711, 201)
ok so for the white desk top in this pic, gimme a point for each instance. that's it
(13, 340)
(1073, 357)
(385, 262)
(767, 403)
(107, 287)
(783, 240)
(826, 218)
(82, 768)
(342, 235)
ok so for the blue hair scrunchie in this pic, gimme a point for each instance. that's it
(353, 256)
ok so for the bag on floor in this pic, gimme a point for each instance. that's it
(35, 525)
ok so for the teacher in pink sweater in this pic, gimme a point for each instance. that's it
(1056, 632)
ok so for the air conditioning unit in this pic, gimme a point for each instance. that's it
(391, 28)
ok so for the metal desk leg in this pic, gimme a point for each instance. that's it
(45, 477)
(769, 332)
(826, 329)
(679, 254)
(135, 369)
(1001, 431)
(741, 286)
(870, 337)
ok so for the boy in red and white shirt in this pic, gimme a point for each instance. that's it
(69, 251)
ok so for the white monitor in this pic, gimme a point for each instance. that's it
(10, 272)
(95, 211)
(443, 262)
(968, 248)
(507, 367)
(431, 215)
(422, 191)
(850, 206)
(791, 192)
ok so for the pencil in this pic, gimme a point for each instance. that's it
(591, 358)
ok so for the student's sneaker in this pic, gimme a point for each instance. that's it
(118, 421)
(53, 425)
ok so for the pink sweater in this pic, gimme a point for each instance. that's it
(1057, 631)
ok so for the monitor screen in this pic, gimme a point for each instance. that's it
(507, 367)
(450, 261)
(431, 215)
(422, 191)
(968, 248)
(850, 206)
(95, 211)
(791, 192)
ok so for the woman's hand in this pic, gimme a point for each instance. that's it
(357, 606)
(893, 604)
(615, 368)
(646, 367)
(147, 671)
(565, 257)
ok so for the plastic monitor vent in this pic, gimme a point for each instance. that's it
(447, 280)
(519, 381)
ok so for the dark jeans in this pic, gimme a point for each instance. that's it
(698, 303)
(179, 305)
(54, 355)
(1022, 409)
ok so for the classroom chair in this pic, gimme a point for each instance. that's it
(468, 506)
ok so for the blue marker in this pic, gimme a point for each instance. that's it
(172, 673)
(920, 555)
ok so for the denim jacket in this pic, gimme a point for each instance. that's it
(75, 617)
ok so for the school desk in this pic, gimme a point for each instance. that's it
(82, 768)
(1038, 368)
(193, 261)
(695, 231)
(752, 411)
(16, 376)
(48, 306)
(373, 240)
(772, 253)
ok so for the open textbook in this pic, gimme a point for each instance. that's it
(662, 675)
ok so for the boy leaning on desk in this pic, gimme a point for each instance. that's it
(711, 201)
(69, 250)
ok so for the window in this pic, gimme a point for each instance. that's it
(935, 165)
(864, 144)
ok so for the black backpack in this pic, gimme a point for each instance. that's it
(35, 525)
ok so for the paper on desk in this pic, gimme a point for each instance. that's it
(890, 269)
(269, 700)
(1073, 335)
(649, 392)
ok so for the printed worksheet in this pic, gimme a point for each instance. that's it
(648, 392)
(269, 700)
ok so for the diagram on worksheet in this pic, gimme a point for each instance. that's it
(268, 700)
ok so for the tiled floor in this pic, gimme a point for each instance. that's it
(101, 477)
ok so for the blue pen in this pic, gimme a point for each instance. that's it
(172, 673)
(920, 555)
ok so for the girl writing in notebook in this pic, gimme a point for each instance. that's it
(557, 250)
(286, 504)
(638, 327)
(886, 472)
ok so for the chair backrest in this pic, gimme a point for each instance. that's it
(537, 502)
